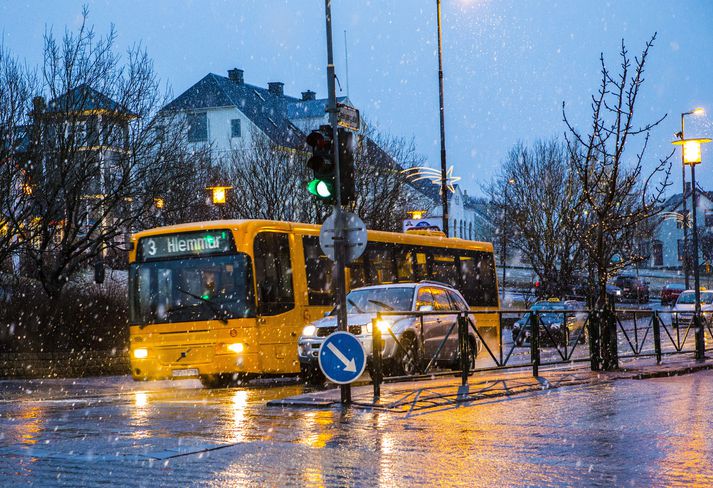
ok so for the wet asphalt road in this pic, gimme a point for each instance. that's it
(111, 431)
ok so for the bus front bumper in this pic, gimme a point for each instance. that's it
(149, 368)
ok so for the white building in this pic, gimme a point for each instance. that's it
(667, 243)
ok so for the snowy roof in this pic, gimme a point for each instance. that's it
(676, 200)
(84, 98)
(270, 112)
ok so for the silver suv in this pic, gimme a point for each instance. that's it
(419, 336)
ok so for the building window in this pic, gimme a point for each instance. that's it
(657, 252)
(708, 216)
(235, 128)
(680, 249)
(197, 127)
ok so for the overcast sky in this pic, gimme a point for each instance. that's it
(508, 65)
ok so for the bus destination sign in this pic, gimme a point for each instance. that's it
(203, 243)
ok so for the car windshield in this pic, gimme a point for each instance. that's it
(689, 298)
(370, 300)
(541, 306)
(183, 290)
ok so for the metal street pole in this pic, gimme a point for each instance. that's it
(505, 240)
(339, 236)
(684, 260)
(444, 170)
(700, 339)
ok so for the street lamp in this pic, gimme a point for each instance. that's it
(691, 155)
(218, 194)
(444, 177)
(682, 135)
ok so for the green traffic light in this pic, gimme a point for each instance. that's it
(320, 188)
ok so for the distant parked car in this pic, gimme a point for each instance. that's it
(685, 305)
(582, 291)
(670, 293)
(633, 288)
(555, 315)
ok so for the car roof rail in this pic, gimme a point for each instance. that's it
(434, 282)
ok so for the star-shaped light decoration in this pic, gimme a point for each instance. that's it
(680, 218)
(434, 175)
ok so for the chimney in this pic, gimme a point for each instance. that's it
(38, 105)
(308, 95)
(276, 88)
(236, 75)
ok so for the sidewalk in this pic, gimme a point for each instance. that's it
(446, 391)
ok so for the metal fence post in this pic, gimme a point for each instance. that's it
(594, 324)
(535, 343)
(700, 339)
(376, 366)
(657, 336)
(463, 343)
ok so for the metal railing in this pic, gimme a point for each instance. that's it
(579, 336)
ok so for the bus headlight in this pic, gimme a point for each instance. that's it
(309, 331)
(237, 348)
(141, 353)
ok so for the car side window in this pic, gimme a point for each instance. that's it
(440, 297)
(458, 303)
(424, 299)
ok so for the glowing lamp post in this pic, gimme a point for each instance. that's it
(692, 157)
(682, 135)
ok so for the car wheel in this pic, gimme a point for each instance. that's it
(406, 359)
(311, 375)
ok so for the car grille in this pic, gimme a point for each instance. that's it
(325, 331)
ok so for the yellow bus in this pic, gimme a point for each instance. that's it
(227, 299)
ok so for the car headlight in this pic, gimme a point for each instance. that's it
(238, 347)
(141, 353)
(309, 331)
(384, 326)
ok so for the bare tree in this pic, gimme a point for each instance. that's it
(100, 159)
(617, 195)
(384, 194)
(16, 88)
(536, 206)
(269, 182)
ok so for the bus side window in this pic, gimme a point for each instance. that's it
(420, 268)
(319, 273)
(404, 264)
(443, 268)
(381, 264)
(357, 273)
(273, 273)
(477, 271)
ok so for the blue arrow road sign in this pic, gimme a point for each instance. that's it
(342, 358)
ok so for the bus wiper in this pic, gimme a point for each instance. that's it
(351, 302)
(382, 304)
(218, 312)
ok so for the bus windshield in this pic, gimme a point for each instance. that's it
(184, 290)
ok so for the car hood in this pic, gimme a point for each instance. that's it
(690, 307)
(352, 319)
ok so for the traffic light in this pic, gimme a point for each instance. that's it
(347, 148)
(322, 164)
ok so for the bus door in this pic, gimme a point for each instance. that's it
(318, 270)
(279, 320)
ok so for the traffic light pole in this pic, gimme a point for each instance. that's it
(339, 282)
